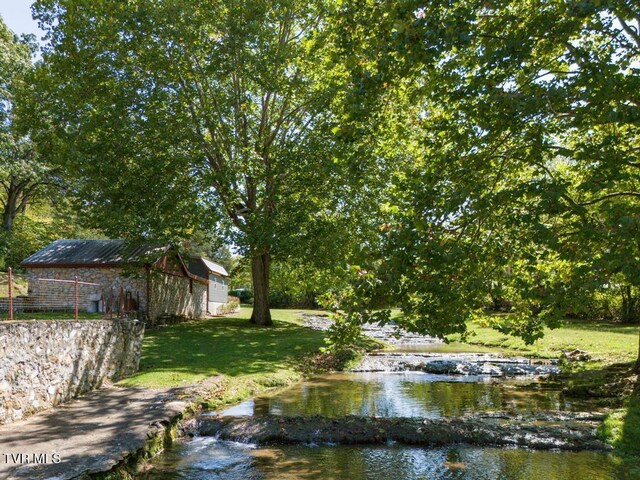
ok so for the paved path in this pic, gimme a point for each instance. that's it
(90, 434)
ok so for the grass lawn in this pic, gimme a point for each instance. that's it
(607, 343)
(189, 352)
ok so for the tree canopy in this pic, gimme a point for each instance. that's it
(451, 158)
(519, 182)
(177, 116)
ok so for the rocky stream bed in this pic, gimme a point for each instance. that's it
(543, 430)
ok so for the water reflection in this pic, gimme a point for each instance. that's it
(207, 458)
(410, 394)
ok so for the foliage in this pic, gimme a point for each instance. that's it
(513, 156)
(296, 284)
(25, 176)
(212, 115)
(232, 306)
(243, 295)
(42, 224)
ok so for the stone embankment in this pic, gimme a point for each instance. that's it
(544, 430)
(47, 362)
(106, 434)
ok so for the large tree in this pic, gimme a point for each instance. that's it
(23, 174)
(178, 115)
(522, 177)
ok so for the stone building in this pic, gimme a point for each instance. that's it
(218, 290)
(151, 280)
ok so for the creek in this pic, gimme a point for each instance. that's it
(404, 415)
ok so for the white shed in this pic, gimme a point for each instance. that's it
(218, 291)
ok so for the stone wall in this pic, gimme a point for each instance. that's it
(44, 363)
(61, 296)
(174, 295)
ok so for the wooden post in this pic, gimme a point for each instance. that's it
(121, 298)
(76, 297)
(10, 294)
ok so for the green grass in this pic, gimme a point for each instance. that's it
(621, 429)
(190, 352)
(607, 343)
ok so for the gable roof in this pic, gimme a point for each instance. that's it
(92, 253)
(212, 266)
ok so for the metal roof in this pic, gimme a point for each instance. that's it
(92, 252)
(214, 267)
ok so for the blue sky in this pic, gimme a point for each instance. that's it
(17, 15)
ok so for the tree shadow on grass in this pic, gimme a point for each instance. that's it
(615, 386)
(230, 346)
(629, 443)
(607, 327)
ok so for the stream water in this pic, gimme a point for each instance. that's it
(208, 458)
(410, 394)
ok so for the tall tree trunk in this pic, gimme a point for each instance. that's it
(260, 275)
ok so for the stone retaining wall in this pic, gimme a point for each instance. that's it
(44, 363)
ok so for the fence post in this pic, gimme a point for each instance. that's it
(76, 298)
(10, 294)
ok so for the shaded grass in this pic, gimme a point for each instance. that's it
(621, 429)
(189, 352)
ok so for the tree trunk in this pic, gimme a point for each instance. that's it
(15, 203)
(629, 313)
(637, 368)
(260, 275)
(7, 221)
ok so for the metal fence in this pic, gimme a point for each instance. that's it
(22, 296)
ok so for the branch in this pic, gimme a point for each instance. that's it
(627, 28)
(608, 196)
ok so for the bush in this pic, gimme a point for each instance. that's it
(244, 295)
(232, 305)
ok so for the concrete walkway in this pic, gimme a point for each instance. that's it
(88, 435)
